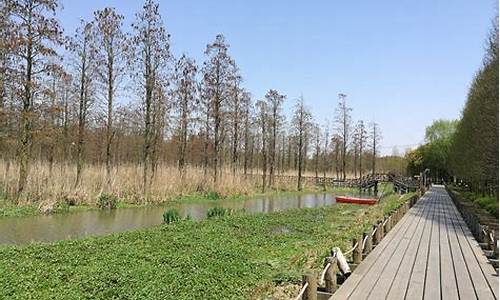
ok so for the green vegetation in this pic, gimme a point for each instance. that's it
(217, 211)
(171, 216)
(489, 203)
(238, 256)
(106, 201)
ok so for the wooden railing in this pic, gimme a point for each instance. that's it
(325, 282)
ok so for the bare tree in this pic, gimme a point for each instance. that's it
(218, 70)
(275, 102)
(360, 139)
(82, 48)
(375, 137)
(325, 154)
(37, 32)
(247, 116)
(263, 119)
(151, 56)
(317, 148)
(301, 123)
(185, 100)
(237, 95)
(112, 61)
(343, 120)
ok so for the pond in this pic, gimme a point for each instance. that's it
(49, 228)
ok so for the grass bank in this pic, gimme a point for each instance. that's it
(489, 203)
(234, 257)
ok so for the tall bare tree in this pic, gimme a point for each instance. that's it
(275, 103)
(37, 34)
(235, 112)
(263, 120)
(343, 120)
(82, 48)
(301, 122)
(375, 138)
(112, 45)
(152, 53)
(247, 134)
(185, 97)
(218, 71)
(360, 139)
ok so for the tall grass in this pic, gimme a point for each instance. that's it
(57, 184)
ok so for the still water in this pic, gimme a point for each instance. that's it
(49, 228)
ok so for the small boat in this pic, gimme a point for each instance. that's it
(347, 199)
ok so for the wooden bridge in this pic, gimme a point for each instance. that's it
(366, 182)
(429, 254)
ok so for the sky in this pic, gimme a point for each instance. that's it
(401, 63)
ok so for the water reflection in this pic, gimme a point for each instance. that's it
(81, 224)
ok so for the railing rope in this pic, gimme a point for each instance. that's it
(302, 290)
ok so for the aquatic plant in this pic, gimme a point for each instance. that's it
(171, 216)
(217, 211)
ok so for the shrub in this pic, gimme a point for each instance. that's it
(171, 216)
(107, 201)
(217, 211)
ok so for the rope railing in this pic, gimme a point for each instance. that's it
(352, 249)
(323, 273)
(302, 290)
(364, 241)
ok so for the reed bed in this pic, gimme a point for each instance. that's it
(57, 183)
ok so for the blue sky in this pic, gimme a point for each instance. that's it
(401, 63)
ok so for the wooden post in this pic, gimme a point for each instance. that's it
(311, 292)
(387, 225)
(357, 252)
(368, 244)
(377, 234)
(331, 275)
(380, 231)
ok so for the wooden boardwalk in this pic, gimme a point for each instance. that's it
(429, 254)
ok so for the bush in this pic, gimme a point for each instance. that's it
(107, 201)
(488, 203)
(171, 216)
(217, 211)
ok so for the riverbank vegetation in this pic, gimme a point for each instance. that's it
(109, 109)
(466, 150)
(73, 204)
(237, 256)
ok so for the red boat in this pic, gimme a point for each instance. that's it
(346, 199)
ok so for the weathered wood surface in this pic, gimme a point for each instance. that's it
(429, 254)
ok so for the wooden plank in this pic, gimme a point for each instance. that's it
(432, 288)
(398, 287)
(482, 273)
(351, 284)
(388, 275)
(370, 278)
(415, 288)
(449, 288)
(462, 276)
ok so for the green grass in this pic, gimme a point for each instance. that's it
(239, 256)
(489, 203)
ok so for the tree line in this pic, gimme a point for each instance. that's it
(61, 101)
(466, 150)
